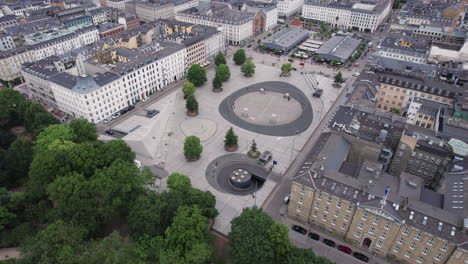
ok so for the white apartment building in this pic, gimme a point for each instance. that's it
(236, 26)
(350, 15)
(11, 60)
(6, 42)
(119, 4)
(289, 7)
(214, 44)
(96, 91)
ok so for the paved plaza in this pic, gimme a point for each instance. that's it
(159, 140)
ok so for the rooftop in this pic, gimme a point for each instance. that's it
(286, 37)
(339, 46)
(220, 12)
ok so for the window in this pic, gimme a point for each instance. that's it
(376, 221)
(360, 225)
(408, 254)
(350, 208)
(444, 247)
(319, 197)
(324, 218)
(405, 231)
(343, 226)
(387, 225)
(346, 218)
(426, 251)
(317, 206)
(298, 209)
(396, 249)
(413, 246)
(371, 230)
(400, 240)
(329, 200)
(338, 204)
(333, 221)
(379, 243)
(418, 236)
(300, 200)
(420, 260)
(326, 209)
(383, 235)
(364, 216)
(438, 257)
(357, 234)
(337, 213)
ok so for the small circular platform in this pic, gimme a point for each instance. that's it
(240, 178)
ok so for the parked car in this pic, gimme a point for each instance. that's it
(360, 256)
(265, 157)
(299, 229)
(329, 242)
(123, 111)
(294, 69)
(302, 64)
(356, 74)
(116, 115)
(314, 236)
(344, 249)
(106, 120)
(286, 199)
(248, 46)
(130, 107)
(290, 60)
(318, 93)
(145, 99)
(109, 132)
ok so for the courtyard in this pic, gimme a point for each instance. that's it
(278, 123)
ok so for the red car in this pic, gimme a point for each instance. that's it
(344, 249)
(302, 64)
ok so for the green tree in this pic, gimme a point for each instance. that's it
(301, 256)
(319, 58)
(248, 232)
(29, 115)
(286, 68)
(188, 89)
(278, 237)
(230, 139)
(394, 110)
(41, 121)
(258, 41)
(10, 101)
(191, 104)
(58, 134)
(6, 139)
(204, 200)
(334, 62)
(196, 74)
(339, 78)
(248, 68)
(179, 182)
(116, 149)
(188, 238)
(192, 148)
(396, 4)
(6, 217)
(112, 249)
(217, 83)
(253, 146)
(17, 161)
(152, 213)
(59, 242)
(222, 72)
(220, 59)
(277, 51)
(239, 57)
(83, 130)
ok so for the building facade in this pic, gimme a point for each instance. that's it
(365, 16)
(289, 7)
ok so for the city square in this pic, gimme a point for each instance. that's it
(160, 142)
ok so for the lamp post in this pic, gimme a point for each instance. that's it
(294, 142)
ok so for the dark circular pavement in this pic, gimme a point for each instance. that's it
(220, 169)
(292, 128)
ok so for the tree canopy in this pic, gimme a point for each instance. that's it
(239, 57)
(222, 72)
(339, 78)
(286, 67)
(248, 68)
(220, 59)
(192, 148)
(230, 139)
(179, 182)
(188, 89)
(196, 74)
(191, 104)
(217, 83)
